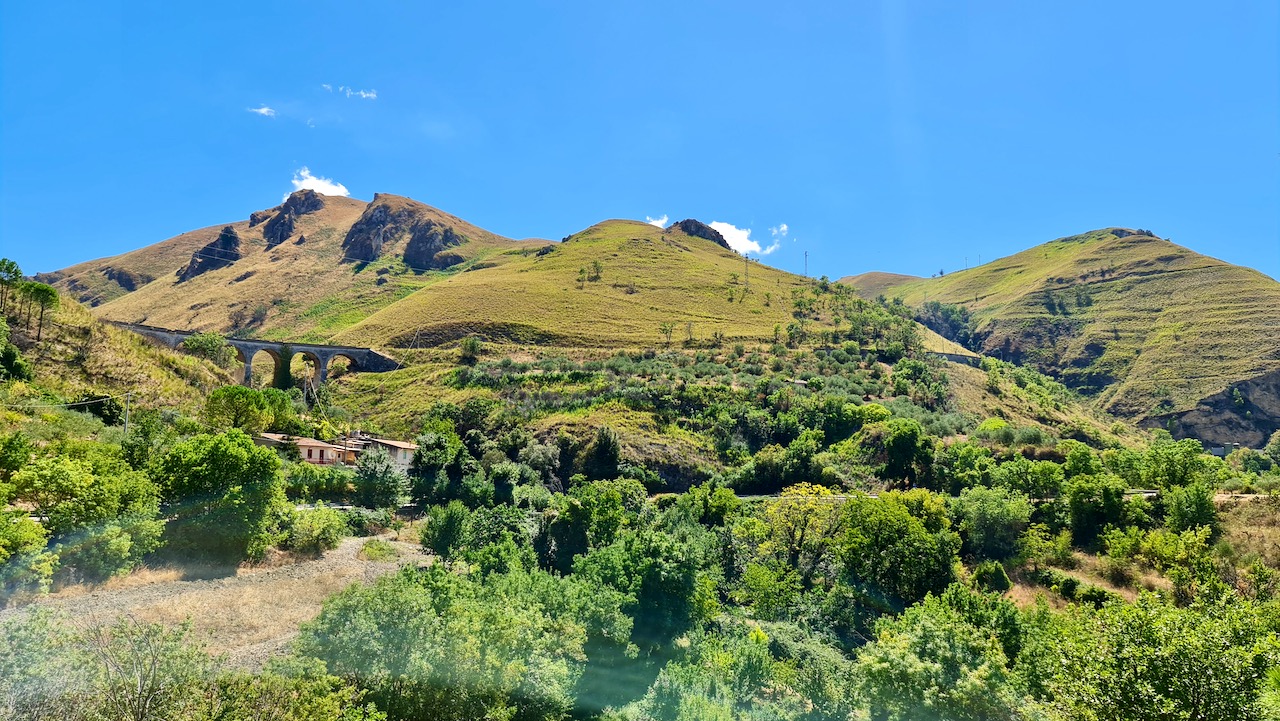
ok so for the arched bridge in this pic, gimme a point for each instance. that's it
(360, 359)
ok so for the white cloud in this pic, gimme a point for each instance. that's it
(264, 111)
(353, 93)
(657, 222)
(303, 179)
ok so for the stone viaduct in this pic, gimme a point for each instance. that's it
(360, 359)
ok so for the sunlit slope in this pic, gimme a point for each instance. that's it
(332, 266)
(1151, 327)
(648, 277)
(79, 354)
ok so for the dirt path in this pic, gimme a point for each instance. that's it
(249, 616)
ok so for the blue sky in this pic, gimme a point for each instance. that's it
(884, 136)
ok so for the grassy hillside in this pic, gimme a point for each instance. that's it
(1149, 327)
(647, 277)
(304, 287)
(79, 354)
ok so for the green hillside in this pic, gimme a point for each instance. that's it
(647, 277)
(1158, 333)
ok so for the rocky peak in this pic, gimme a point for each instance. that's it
(282, 224)
(387, 219)
(698, 229)
(219, 253)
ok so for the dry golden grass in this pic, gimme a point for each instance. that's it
(79, 354)
(307, 289)
(248, 613)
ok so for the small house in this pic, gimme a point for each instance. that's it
(310, 450)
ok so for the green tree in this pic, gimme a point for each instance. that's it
(10, 276)
(237, 407)
(599, 460)
(469, 350)
(895, 557)
(226, 494)
(1187, 507)
(990, 520)
(102, 521)
(211, 346)
(379, 483)
(1151, 659)
(933, 663)
(1094, 502)
(45, 296)
(432, 644)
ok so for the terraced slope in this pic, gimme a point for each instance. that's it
(1156, 332)
(300, 271)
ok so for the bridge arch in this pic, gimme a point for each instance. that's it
(261, 359)
(341, 363)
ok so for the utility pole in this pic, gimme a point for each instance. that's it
(746, 271)
(806, 264)
(126, 411)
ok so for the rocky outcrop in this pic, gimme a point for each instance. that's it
(282, 224)
(258, 217)
(698, 229)
(427, 239)
(383, 223)
(127, 279)
(223, 251)
(1246, 413)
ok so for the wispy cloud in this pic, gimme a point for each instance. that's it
(740, 238)
(303, 179)
(779, 234)
(657, 222)
(264, 111)
(350, 92)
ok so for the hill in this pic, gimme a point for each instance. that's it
(299, 271)
(611, 285)
(78, 354)
(1154, 331)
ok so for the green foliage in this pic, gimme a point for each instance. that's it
(237, 407)
(668, 594)
(469, 350)
(101, 515)
(316, 530)
(225, 493)
(931, 662)
(894, 556)
(211, 346)
(990, 520)
(446, 528)
(1126, 661)
(378, 482)
(431, 644)
(1191, 506)
(991, 576)
(1095, 502)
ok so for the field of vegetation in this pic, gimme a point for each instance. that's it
(806, 518)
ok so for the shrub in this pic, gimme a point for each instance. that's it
(991, 576)
(317, 530)
(378, 551)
